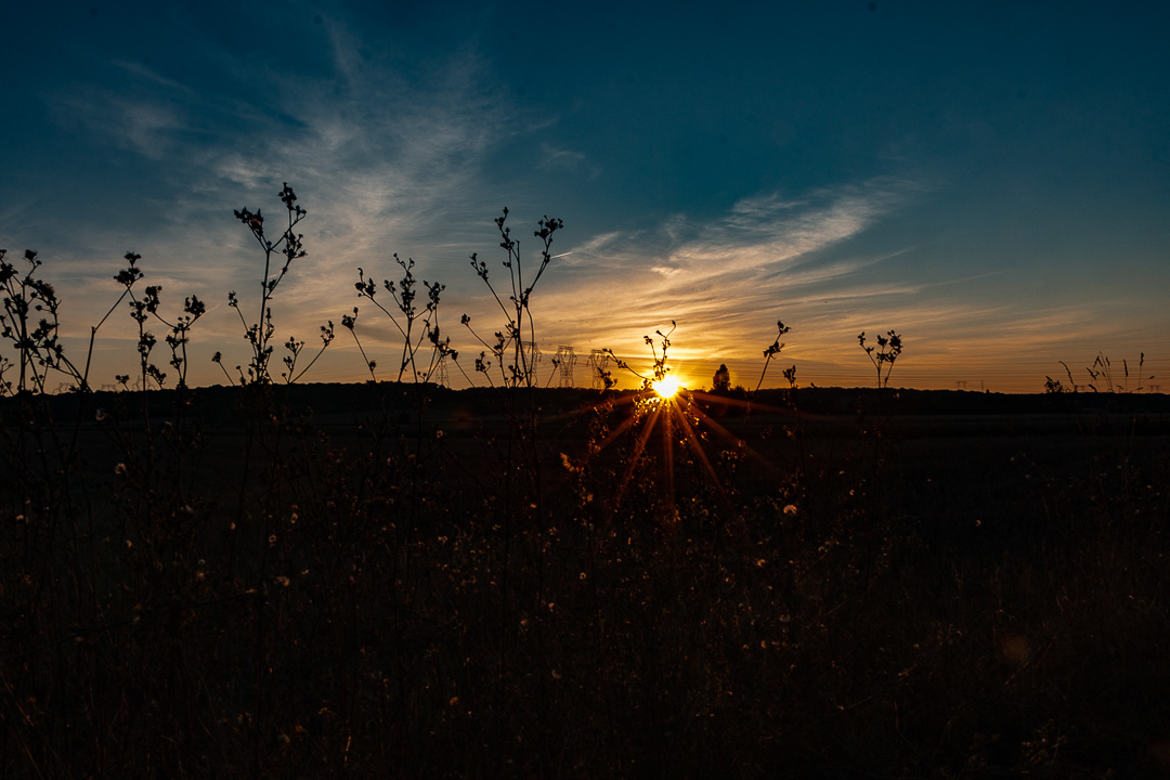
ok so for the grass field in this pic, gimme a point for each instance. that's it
(401, 580)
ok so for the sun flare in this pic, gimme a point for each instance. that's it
(667, 387)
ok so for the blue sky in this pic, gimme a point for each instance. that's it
(991, 179)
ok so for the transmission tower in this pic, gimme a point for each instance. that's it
(598, 365)
(565, 361)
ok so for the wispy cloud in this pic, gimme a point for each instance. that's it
(553, 157)
(729, 274)
(141, 71)
(556, 157)
(761, 234)
(136, 124)
(383, 163)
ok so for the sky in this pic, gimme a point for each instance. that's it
(991, 180)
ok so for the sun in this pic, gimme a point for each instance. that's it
(667, 387)
(678, 415)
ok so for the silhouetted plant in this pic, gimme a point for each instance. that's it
(403, 294)
(349, 322)
(522, 369)
(658, 369)
(482, 364)
(38, 343)
(180, 327)
(288, 247)
(1072, 384)
(773, 350)
(5, 384)
(127, 278)
(441, 350)
(1101, 378)
(295, 348)
(217, 358)
(146, 342)
(1101, 373)
(30, 320)
(889, 348)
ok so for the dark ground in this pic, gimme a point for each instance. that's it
(367, 578)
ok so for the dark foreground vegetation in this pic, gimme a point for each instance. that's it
(400, 580)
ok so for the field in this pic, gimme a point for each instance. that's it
(405, 580)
